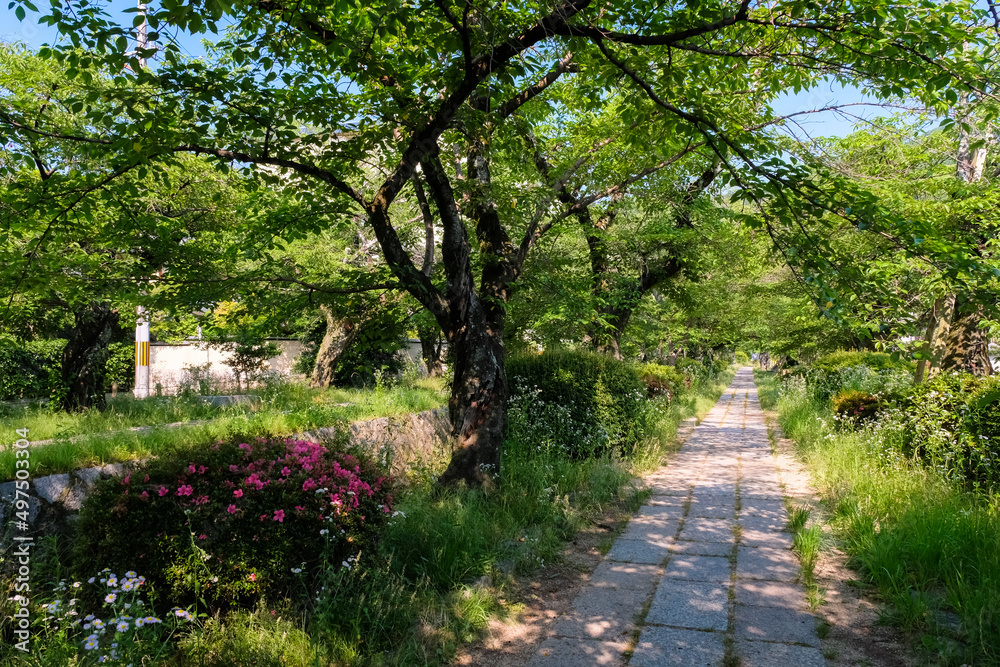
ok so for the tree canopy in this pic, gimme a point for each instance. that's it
(502, 126)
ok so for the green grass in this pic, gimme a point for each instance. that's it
(929, 548)
(96, 437)
(440, 574)
(443, 568)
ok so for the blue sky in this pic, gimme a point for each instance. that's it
(822, 124)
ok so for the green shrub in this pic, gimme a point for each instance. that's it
(662, 380)
(29, 369)
(120, 369)
(877, 361)
(983, 417)
(690, 366)
(233, 522)
(740, 357)
(603, 398)
(951, 425)
(856, 406)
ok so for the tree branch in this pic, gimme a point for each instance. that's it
(742, 14)
(526, 95)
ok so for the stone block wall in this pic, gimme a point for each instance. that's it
(400, 442)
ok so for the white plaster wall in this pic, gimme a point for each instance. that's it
(167, 364)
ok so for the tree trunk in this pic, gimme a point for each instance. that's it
(964, 346)
(924, 362)
(939, 340)
(478, 403)
(340, 333)
(967, 347)
(431, 348)
(85, 356)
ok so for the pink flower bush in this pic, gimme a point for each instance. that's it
(264, 506)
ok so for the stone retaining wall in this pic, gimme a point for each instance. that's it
(400, 442)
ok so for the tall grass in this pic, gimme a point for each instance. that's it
(931, 550)
(97, 437)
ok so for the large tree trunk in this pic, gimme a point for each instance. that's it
(85, 356)
(478, 403)
(963, 345)
(967, 347)
(473, 322)
(340, 333)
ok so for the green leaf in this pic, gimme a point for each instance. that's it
(987, 399)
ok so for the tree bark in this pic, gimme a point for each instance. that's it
(340, 333)
(85, 356)
(939, 340)
(431, 348)
(478, 403)
(924, 361)
(473, 325)
(967, 347)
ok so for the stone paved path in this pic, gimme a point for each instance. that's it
(709, 556)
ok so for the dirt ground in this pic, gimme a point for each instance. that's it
(546, 595)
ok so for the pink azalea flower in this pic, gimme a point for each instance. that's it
(127, 479)
(184, 490)
(192, 469)
(244, 446)
(279, 516)
(234, 468)
(231, 509)
(299, 507)
(286, 471)
(146, 478)
(144, 495)
(238, 493)
(164, 491)
(201, 470)
(203, 536)
(253, 577)
(308, 484)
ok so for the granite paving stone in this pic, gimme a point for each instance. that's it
(631, 576)
(766, 563)
(763, 538)
(603, 614)
(720, 549)
(638, 551)
(699, 529)
(770, 594)
(776, 624)
(690, 604)
(698, 568)
(676, 556)
(573, 652)
(672, 647)
(767, 654)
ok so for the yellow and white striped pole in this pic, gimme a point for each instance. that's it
(141, 355)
